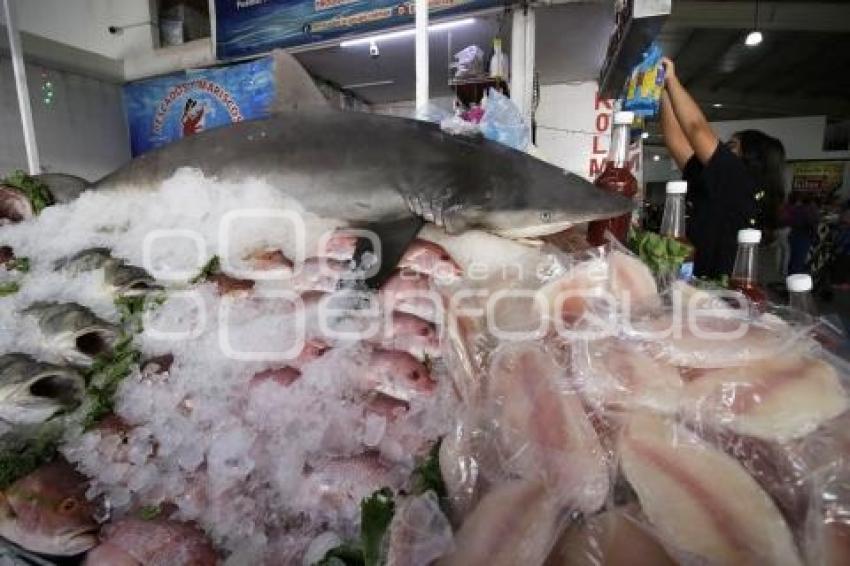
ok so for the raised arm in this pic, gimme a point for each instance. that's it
(690, 118)
(674, 138)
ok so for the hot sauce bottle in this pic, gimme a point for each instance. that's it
(745, 273)
(616, 178)
(673, 224)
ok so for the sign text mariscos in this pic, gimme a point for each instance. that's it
(179, 91)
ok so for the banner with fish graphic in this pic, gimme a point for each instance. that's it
(245, 27)
(164, 109)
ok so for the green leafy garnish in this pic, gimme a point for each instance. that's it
(105, 375)
(132, 309)
(212, 267)
(660, 253)
(36, 192)
(39, 447)
(376, 514)
(21, 264)
(427, 475)
(9, 288)
(149, 512)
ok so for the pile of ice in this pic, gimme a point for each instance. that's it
(257, 464)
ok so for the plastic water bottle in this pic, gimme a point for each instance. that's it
(800, 296)
(673, 224)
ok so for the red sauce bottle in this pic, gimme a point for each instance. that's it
(745, 273)
(616, 178)
(673, 224)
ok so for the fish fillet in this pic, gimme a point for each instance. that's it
(701, 501)
(775, 399)
(615, 374)
(710, 341)
(515, 523)
(612, 538)
(542, 430)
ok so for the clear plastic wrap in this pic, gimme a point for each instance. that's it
(663, 427)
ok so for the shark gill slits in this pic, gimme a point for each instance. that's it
(546, 216)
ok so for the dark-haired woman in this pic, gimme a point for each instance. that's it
(734, 185)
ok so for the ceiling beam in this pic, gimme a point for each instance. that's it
(800, 16)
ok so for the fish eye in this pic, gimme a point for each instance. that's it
(68, 505)
(546, 216)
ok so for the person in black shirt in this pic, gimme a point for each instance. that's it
(731, 186)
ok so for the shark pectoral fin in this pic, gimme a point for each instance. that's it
(393, 237)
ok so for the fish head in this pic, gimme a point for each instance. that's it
(14, 205)
(32, 391)
(524, 197)
(47, 512)
(128, 280)
(73, 331)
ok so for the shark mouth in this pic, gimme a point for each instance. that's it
(525, 232)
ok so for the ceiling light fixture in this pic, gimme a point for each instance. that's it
(644, 135)
(405, 33)
(717, 105)
(656, 157)
(754, 37)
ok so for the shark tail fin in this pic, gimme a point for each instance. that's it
(294, 88)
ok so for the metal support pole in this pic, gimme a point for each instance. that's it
(21, 86)
(421, 57)
(522, 59)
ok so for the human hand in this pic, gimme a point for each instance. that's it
(669, 69)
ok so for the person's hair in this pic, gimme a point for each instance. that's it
(764, 157)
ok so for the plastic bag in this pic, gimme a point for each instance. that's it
(691, 424)
(643, 90)
(457, 126)
(502, 122)
(469, 62)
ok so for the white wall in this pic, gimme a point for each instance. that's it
(574, 129)
(83, 132)
(84, 24)
(802, 136)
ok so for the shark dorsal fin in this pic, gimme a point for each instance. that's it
(294, 88)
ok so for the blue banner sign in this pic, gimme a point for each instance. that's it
(165, 109)
(245, 27)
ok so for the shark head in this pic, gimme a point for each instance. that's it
(524, 197)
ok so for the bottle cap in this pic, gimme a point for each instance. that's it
(624, 117)
(799, 282)
(677, 187)
(749, 236)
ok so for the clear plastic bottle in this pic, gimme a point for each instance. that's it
(800, 297)
(673, 224)
(616, 178)
(745, 273)
(498, 62)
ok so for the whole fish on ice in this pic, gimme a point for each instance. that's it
(73, 331)
(47, 512)
(33, 391)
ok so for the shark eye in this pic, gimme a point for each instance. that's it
(546, 216)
